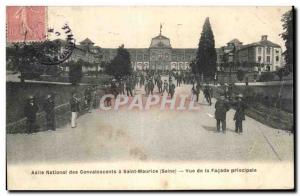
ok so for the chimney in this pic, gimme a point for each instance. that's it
(264, 37)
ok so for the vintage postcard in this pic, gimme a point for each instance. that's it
(150, 98)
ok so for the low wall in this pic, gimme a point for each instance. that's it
(62, 116)
(269, 102)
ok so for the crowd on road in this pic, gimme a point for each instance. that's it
(148, 81)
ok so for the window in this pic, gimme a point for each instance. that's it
(160, 56)
(259, 50)
(268, 50)
(146, 57)
(259, 59)
(277, 58)
(140, 57)
(174, 57)
(167, 56)
(268, 59)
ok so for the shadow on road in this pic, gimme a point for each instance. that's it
(214, 129)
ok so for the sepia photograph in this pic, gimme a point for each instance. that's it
(150, 97)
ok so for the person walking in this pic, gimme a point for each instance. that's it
(150, 86)
(30, 111)
(165, 88)
(74, 103)
(239, 115)
(49, 108)
(159, 85)
(207, 94)
(142, 80)
(128, 87)
(172, 89)
(221, 107)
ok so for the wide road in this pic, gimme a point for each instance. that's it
(153, 135)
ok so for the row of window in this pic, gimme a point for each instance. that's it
(268, 50)
(268, 60)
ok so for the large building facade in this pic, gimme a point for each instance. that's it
(159, 56)
(263, 55)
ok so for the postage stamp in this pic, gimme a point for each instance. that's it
(26, 23)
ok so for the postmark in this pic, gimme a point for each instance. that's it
(53, 52)
(26, 23)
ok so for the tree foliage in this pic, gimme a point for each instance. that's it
(240, 75)
(75, 71)
(206, 54)
(121, 65)
(288, 37)
(22, 58)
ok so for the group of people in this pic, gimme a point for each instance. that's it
(30, 111)
(223, 105)
(207, 92)
(149, 81)
(32, 107)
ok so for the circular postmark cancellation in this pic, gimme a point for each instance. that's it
(53, 52)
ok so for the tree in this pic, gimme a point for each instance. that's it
(26, 59)
(75, 71)
(121, 65)
(206, 54)
(281, 72)
(288, 37)
(240, 75)
(22, 58)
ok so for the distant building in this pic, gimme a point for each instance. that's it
(89, 53)
(263, 55)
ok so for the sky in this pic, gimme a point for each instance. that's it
(109, 27)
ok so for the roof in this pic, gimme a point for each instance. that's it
(268, 43)
(160, 37)
(86, 41)
(260, 43)
(160, 41)
(235, 41)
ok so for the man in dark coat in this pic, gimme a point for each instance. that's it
(207, 94)
(142, 80)
(220, 114)
(129, 86)
(165, 87)
(151, 87)
(30, 111)
(172, 89)
(159, 85)
(239, 115)
(49, 108)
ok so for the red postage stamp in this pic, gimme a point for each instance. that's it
(26, 23)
